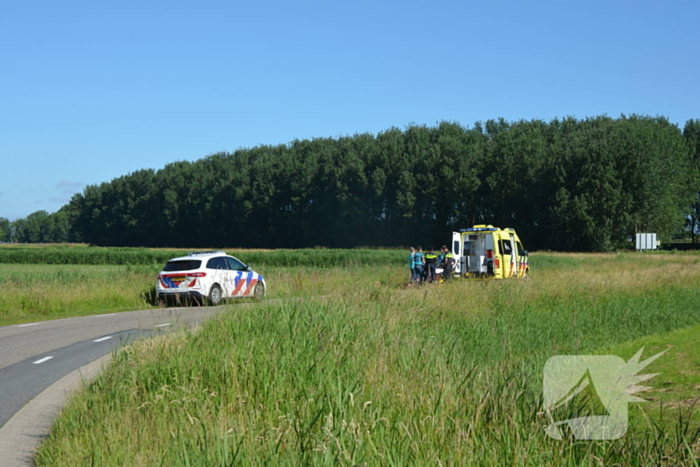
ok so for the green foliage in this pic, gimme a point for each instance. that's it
(691, 133)
(575, 185)
(616, 178)
(4, 230)
(39, 227)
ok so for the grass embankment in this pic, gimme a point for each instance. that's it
(50, 282)
(674, 394)
(377, 374)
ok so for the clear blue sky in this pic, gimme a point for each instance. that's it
(91, 91)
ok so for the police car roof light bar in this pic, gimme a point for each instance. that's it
(194, 253)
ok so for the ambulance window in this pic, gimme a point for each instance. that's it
(467, 250)
(521, 252)
(505, 247)
(455, 247)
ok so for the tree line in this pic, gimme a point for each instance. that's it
(568, 184)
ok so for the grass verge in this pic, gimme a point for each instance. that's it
(379, 375)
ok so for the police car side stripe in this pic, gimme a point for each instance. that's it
(251, 286)
(239, 283)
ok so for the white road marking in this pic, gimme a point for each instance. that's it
(100, 316)
(161, 325)
(42, 360)
(102, 339)
(27, 325)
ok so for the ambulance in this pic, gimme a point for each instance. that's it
(488, 251)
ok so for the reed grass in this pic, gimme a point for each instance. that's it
(373, 373)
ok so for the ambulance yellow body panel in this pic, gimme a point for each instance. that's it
(487, 251)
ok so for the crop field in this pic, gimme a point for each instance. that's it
(360, 370)
(40, 283)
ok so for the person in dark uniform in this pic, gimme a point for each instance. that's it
(430, 265)
(448, 263)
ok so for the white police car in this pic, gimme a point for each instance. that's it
(209, 275)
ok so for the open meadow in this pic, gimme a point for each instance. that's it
(360, 370)
(48, 282)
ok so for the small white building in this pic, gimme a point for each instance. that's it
(646, 241)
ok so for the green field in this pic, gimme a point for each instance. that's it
(50, 282)
(362, 371)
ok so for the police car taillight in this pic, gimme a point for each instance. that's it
(192, 274)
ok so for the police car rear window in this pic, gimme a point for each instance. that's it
(184, 265)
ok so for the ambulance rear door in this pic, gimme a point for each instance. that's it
(467, 246)
(457, 252)
(523, 264)
(478, 251)
(507, 263)
(515, 258)
(489, 257)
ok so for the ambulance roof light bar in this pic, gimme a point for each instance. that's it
(479, 229)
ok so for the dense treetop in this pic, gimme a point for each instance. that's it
(570, 184)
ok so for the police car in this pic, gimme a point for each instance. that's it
(210, 276)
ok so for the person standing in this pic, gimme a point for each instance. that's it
(448, 263)
(430, 265)
(418, 261)
(411, 264)
(441, 256)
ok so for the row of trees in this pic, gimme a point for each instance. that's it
(570, 184)
(38, 227)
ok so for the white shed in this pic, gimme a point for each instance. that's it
(646, 241)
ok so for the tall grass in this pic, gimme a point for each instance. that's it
(41, 292)
(69, 254)
(48, 282)
(318, 258)
(375, 374)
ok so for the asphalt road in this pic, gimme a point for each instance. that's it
(41, 355)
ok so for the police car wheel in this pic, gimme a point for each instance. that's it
(215, 295)
(259, 291)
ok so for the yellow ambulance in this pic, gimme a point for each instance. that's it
(487, 251)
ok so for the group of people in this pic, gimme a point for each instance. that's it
(424, 265)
